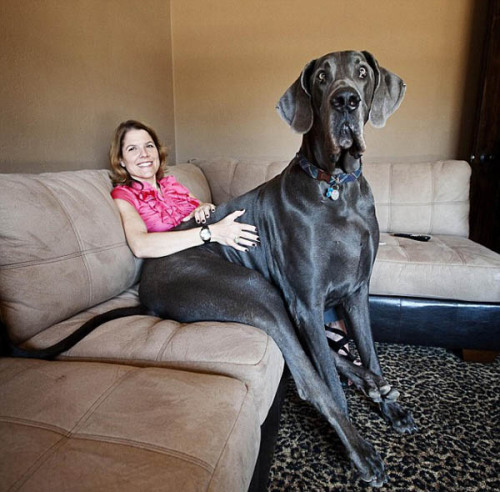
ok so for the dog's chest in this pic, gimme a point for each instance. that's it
(350, 247)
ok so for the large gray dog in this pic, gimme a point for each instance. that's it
(319, 237)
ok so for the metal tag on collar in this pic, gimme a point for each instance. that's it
(333, 192)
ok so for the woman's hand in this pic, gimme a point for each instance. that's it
(200, 213)
(239, 236)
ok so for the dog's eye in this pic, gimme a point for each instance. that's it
(321, 76)
(363, 72)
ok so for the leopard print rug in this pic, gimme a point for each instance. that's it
(456, 406)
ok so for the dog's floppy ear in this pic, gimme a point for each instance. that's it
(295, 104)
(388, 94)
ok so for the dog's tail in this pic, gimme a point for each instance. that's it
(9, 349)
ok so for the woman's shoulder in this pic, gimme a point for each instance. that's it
(124, 192)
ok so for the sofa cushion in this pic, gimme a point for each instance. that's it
(446, 267)
(63, 230)
(88, 426)
(231, 349)
(424, 198)
(229, 178)
(62, 248)
(193, 179)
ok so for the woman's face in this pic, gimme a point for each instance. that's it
(140, 157)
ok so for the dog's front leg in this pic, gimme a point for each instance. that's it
(310, 325)
(357, 315)
(355, 309)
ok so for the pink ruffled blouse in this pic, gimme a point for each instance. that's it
(160, 212)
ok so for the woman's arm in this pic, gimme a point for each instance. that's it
(146, 244)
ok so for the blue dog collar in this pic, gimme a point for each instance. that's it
(334, 180)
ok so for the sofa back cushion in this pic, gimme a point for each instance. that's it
(193, 179)
(62, 248)
(423, 198)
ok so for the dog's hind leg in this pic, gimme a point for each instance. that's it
(218, 290)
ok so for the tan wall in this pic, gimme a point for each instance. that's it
(233, 60)
(72, 70)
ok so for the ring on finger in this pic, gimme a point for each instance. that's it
(236, 239)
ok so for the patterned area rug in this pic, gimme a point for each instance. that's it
(455, 404)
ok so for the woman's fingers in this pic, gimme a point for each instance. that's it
(237, 235)
(202, 213)
(248, 238)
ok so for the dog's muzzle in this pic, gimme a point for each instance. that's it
(345, 121)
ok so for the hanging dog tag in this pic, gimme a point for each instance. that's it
(333, 193)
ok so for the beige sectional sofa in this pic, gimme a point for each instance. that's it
(150, 404)
(141, 403)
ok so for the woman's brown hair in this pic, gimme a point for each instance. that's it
(119, 174)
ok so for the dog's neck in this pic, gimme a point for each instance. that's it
(335, 180)
(330, 164)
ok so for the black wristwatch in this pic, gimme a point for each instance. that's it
(205, 234)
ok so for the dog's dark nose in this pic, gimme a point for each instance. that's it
(345, 100)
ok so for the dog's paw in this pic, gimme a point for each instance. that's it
(401, 419)
(369, 464)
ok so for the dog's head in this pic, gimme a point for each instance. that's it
(336, 95)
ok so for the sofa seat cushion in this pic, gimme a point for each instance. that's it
(446, 267)
(91, 426)
(231, 349)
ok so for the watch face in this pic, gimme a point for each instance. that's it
(205, 234)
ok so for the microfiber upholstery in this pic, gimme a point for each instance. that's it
(88, 426)
(228, 177)
(421, 198)
(68, 253)
(446, 267)
(230, 349)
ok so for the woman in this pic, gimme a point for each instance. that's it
(151, 203)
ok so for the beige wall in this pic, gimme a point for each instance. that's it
(233, 60)
(71, 70)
